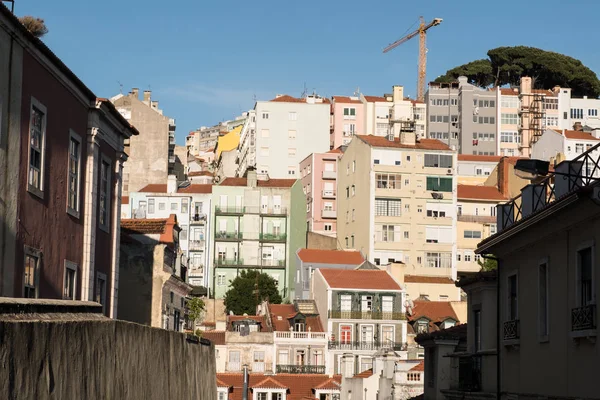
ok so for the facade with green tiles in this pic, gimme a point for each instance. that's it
(258, 224)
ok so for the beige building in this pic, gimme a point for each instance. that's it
(422, 282)
(397, 201)
(475, 169)
(151, 154)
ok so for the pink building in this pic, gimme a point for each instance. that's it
(348, 115)
(319, 178)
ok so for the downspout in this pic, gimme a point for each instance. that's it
(498, 385)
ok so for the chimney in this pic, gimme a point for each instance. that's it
(147, 95)
(462, 80)
(252, 179)
(408, 138)
(577, 126)
(533, 198)
(171, 184)
(398, 93)
(526, 85)
(503, 176)
(135, 92)
(568, 177)
(155, 105)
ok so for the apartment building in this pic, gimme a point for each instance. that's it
(151, 155)
(318, 174)
(562, 145)
(572, 110)
(425, 316)
(365, 313)
(246, 151)
(288, 129)
(204, 139)
(192, 204)
(397, 201)
(61, 161)
(463, 116)
(347, 120)
(226, 154)
(509, 135)
(258, 224)
(248, 342)
(475, 169)
(153, 274)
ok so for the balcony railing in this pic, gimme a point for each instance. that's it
(229, 261)
(230, 209)
(328, 194)
(300, 369)
(234, 366)
(273, 210)
(273, 237)
(366, 315)
(198, 219)
(366, 345)
(300, 335)
(583, 318)
(258, 367)
(272, 263)
(484, 219)
(221, 235)
(329, 214)
(329, 175)
(196, 245)
(511, 330)
(469, 374)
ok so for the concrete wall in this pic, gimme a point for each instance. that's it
(318, 241)
(91, 358)
(548, 145)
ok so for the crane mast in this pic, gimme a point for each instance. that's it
(422, 32)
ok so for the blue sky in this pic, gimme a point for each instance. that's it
(205, 60)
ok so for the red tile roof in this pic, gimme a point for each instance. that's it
(427, 279)
(578, 135)
(217, 337)
(287, 311)
(163, 226)
(330, 256)
(365, 374)
(124, 199)
(509, 91)
(373, 99)
(289, 99)
(436, 311)
(200, 173)
(193, 188)
(423, 144)
(419, 367)
(338, 150)
(258, 318)
(279, 183)
(359, 279)
(473, 157)
(299, 386)
(474, 192)
(345, 99)
(268, 383)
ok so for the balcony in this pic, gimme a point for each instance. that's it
(228, 236)
(172, 140)
(171, 124)
(258, 366)
(483, 219)
(583, 318)
(273, 237)
(196, 245)
(300, 369)
(171, 159)
(329, 175)
(329, 214)
(328, 194)
(273, 211)
(234, 366)
(336, 314)
(366, 345)
(198, 219)
(229, 262)
(230, 210)
(300, 335)
(469, 374)
(511, 330)
(272, 263)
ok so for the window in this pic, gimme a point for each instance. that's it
(477, 330)
(354, 166)
(349, 113)
(37, 142)
(366, 363)
(283, 357)
(509, 102)
(406, 234)
(576, 113)
(593, 112)
(292, 134)
(438, 160)
(387, 304)
(70, 280)
(291, 152)
(439, 184)
(353, 191)
(468, 256)
(439, 260)
(104, 193)
(438, 234)
(387, 233)
(221, 279)
(366, 303)
(328, 227)
(347, 192)
(265, 115)
(472, 234)
(174, 206)
(347, 238)
(457, 256)
(578, 148)
(151, 206)
(292, 116)
(513, 306)
(353, 214)
(184, 206)
(345, 334)
(512, 119)
(453, 102)
(291, 171)
(585, 291)
(345, 302)
(32, 271)
(74, 175)
(388, 181)
(543, 299)
(101, 290)
(366, 333)
(183, 234)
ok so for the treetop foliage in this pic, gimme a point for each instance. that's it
(241, 297)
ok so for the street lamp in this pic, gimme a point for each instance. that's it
(532, 169)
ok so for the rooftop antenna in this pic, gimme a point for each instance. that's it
(357, 91)
(120, 87)
(12, 4)
(304, 91)
(254, 97)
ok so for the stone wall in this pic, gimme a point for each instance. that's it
(63, 352)
(322, 242)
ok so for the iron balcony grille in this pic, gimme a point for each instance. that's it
(469, 374)
(366, 345)
(583, 318)
(336, 314)
(230, 209)
(273, 237)
(511, 330)
(300, 369)
(228, 235)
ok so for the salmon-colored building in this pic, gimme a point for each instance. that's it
(61, 157)
(348, 119)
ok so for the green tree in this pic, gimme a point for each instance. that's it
(506, 66)
(195, 308)
(488, 264)
(36, 26)
(242, 296)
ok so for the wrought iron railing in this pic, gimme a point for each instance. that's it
(366, 315)
(229, 261)
(230, 209)
(366, 345)
(469, 373)
(228, 235)
(273, 237)
(583, 318)
(300, 369)
(511, 330)
(273, 210)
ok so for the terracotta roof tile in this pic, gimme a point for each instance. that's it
(579, 135)
(258, 318)
(436, 311)
(217, 337)
(144, 226)
(509, 91)
(419, 367)
(346, 99)
(329, 384)
(473, 192)
(220, 383)
(455, 332)
(195, 188)
(287, 311)
(289, 99)
(330, 256)
(427, 279)
(124, 199)
(268, 383)
(200, 173)
(373, 99)
(473, 157)
(365, 374)
(359, 279)
(299, 386)
(423, 144)
(338, 150)
(280, 183)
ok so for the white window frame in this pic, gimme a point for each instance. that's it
(38, 191)
(37, 254)
(70, 266)
(75, 209)
(105, 226)
(543, 337)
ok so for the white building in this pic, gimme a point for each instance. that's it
(287, 130)
(568, 143)
(572, 110)
(192, 205)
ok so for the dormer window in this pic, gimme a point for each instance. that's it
(422, 326)
(299, 327)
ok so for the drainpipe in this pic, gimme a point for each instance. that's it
(498, 385)
(245, 392)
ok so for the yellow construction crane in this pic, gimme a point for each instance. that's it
(422, 32)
